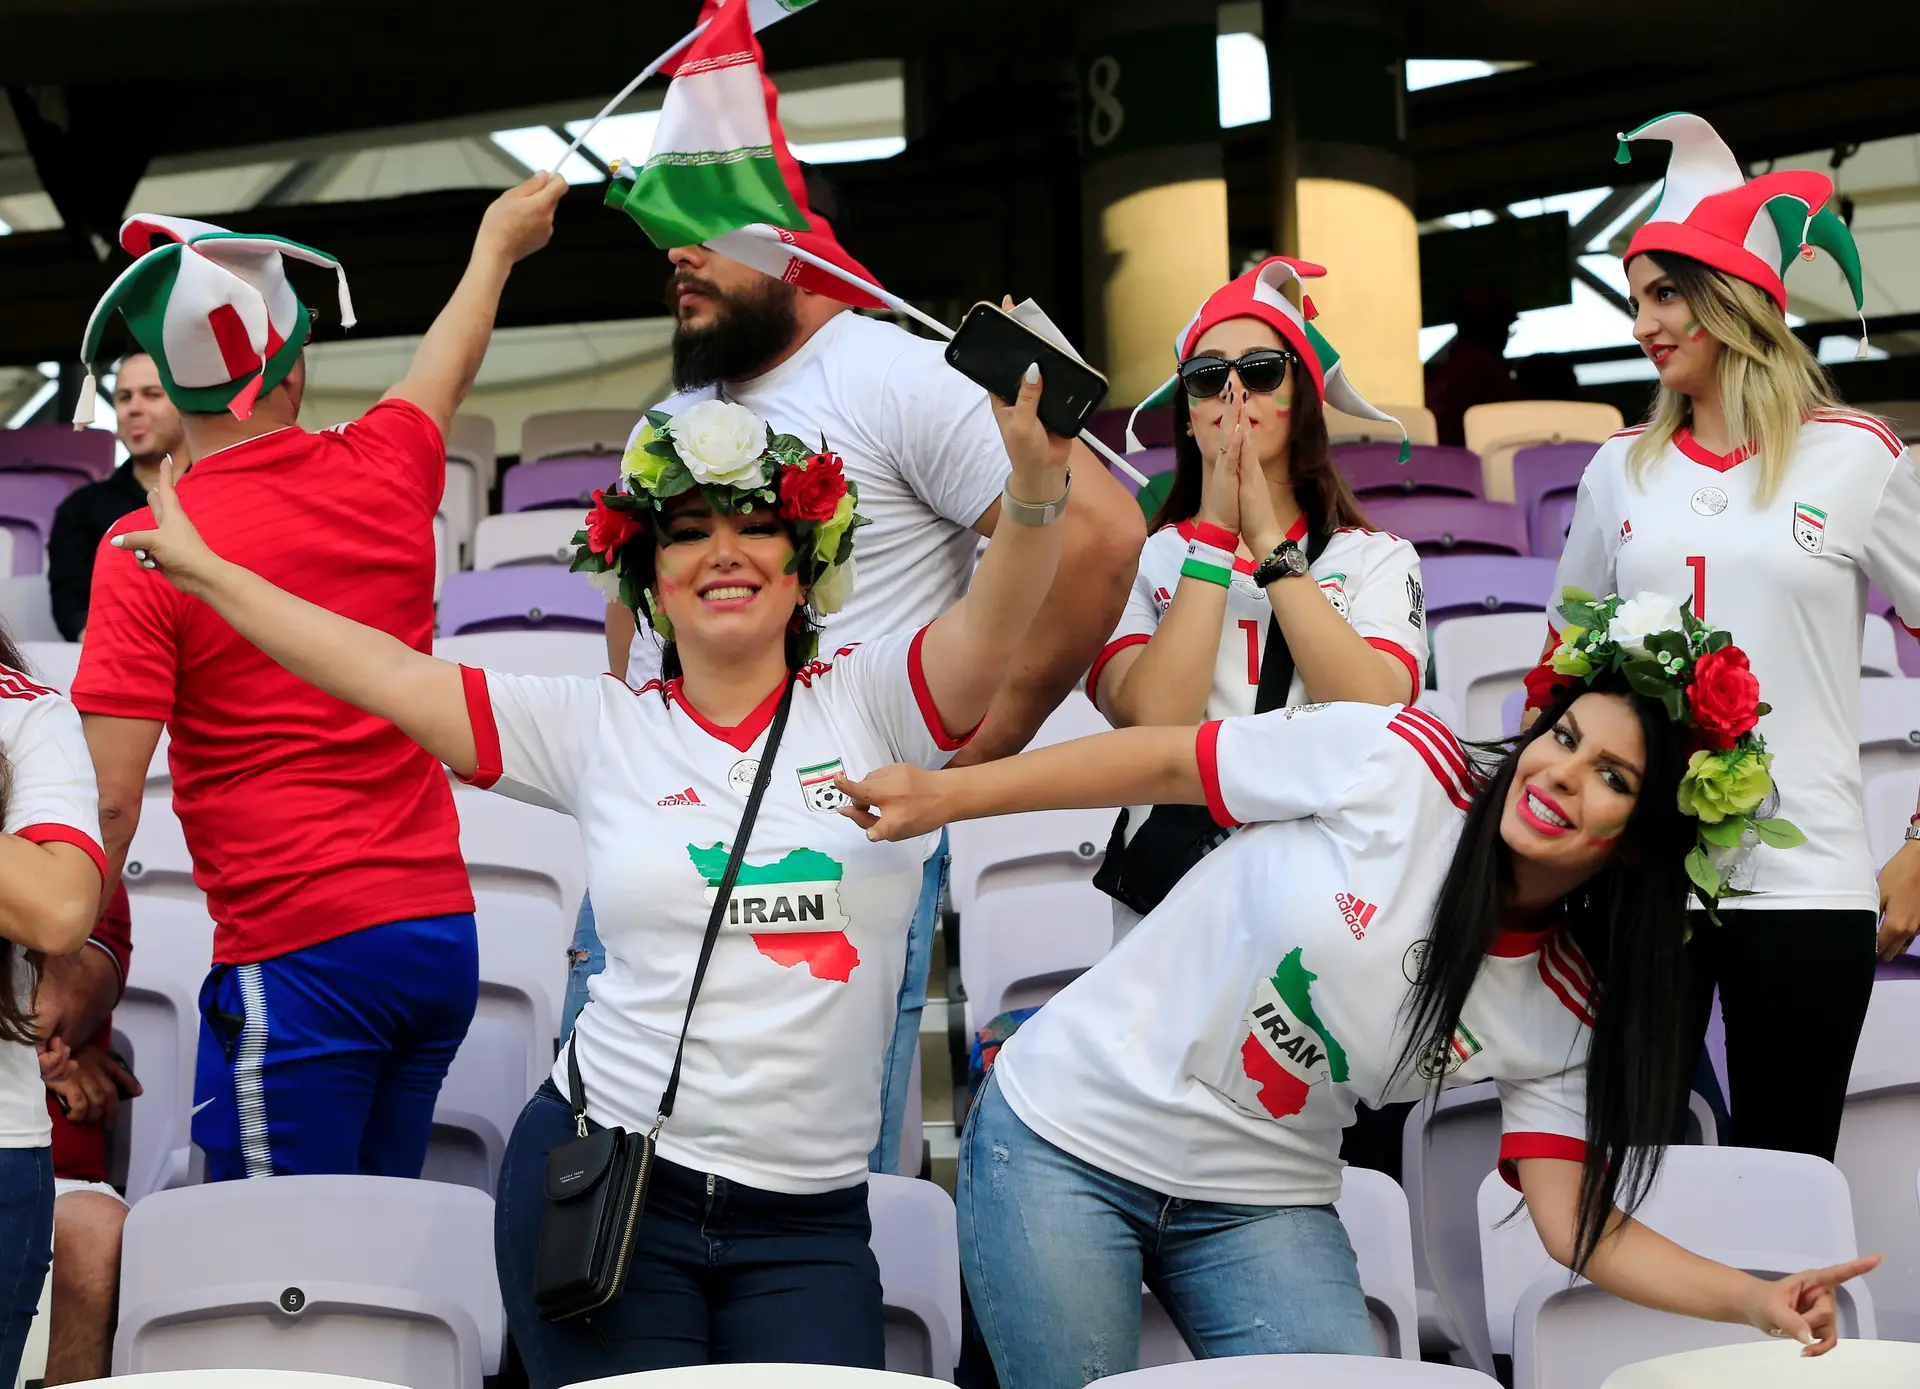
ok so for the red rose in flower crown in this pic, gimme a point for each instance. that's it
(813, 492)
(607, 529)
(1725, 697)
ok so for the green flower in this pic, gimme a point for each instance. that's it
(1568, 658)
(1722, 784)
(645, 468)
(826, 539)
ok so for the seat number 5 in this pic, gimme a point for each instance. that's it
(1698, 564)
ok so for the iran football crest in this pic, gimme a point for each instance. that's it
(818, 790)
(1809, 528)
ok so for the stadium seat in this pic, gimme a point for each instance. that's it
(1153, 427)
(1433, 470)
(1498, 430)
(1445, 1149)
(1889, 726)
(563, 433)
(52, 663)
(1297, 1372)
(557, 483)
(57, 448)
(521, 597)
(1442, 708)
(231, 1379)
(387, 1279)
(6, 552)
(916, 1242)
(1890, 800)
(1879, 1150)
(27, 504)
(1022, 945)
(1512, 710)
(471, 443)
(1767, 1212)
(461, 505)
(525, 537)
(1856, 1364)
(1546, 481)
(1878, 655)
(1469, 585)
(160, 1015)
(1153, 463)
(1343, 428)
(546, 652)
(1452, 525)
(1906, 646)
(1478, 661)
(444, 553)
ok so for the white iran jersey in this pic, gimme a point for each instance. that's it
(781, 1083)
(1218, 1052)
(1788, 580)
(918, 440)
(52, 798)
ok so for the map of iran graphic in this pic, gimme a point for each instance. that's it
(791, 909)
(1287, 1048)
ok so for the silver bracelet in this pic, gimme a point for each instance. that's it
(1035, 513)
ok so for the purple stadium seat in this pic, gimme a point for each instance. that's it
(1433, 470)
(27, 504)
(1512, 709)
(57, 448)
(1452, 525)
(556, 482)
(1546, 479)
(1460, 584)
(541, 597)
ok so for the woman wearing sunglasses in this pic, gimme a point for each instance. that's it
(1261, 584)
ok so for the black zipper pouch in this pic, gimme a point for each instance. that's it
(596, 1189)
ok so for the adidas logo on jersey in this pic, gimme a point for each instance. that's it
(686, 797)
(1357, 914)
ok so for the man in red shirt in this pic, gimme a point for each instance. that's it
(345, 960)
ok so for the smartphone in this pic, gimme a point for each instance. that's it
(994, 349)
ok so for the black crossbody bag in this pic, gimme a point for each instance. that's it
(597, 1182)
(1139, 874)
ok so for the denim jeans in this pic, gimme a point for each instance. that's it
(588, 957)
(26, 1245)
(721, 1273)
(1054, 1251)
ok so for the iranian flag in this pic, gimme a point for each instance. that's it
(719, 161)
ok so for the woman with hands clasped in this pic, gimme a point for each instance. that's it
(1261, 584)
(1399, 915)
(729, 541)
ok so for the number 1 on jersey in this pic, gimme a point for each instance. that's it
(1252, 629)
(1698, 564)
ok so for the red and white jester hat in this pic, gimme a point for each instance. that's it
(1748, 228)
(1259, 294)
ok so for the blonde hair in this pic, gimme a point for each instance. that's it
(1769, 382)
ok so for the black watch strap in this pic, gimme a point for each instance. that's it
(1277, 565)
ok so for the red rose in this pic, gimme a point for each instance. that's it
(811, 493)
(1725, 697)
(1543, 682)
(607, 529)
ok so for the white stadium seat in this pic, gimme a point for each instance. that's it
(527, 653)
(1296, 1372)
(378, 1277)
(1878, 654)
(1890, 799)
(1769, 1213)
(525, 537)
(1889, 726)
(917, 1244)
(462, 505)
(564, 433)
(1880, 1148)
(1478, 660)
(1776, 1365)
(1022, 945)
(472, 440)
(52, 663)
(159, 1014)
(1445, 1150)
(26, 608)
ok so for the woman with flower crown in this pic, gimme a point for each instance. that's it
(1174, 1114)
(729, 540)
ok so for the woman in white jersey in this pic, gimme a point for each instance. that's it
(1397, 916)
(1259, 537)
(1771, 509)
(51, 869)
(753, 1244)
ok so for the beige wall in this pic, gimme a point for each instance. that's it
(1169, 251)
(1369, 302)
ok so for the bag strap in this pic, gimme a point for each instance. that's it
(721, 896)
(1276, 662)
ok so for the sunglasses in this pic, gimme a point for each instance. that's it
(1263, 370)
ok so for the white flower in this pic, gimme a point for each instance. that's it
(1639, 618)
(608, 582)
(721, 444)
(832, 589)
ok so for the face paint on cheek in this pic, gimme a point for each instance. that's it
(1693, 330)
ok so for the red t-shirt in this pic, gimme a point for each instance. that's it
(307, 819)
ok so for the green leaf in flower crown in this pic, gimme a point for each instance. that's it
(675, 480)
(661, 448)
(1762, 709)
(1668, 643)
(1779, 834)
(1676, 704)
(1719, 641)
(789, 448)
(1700, 868)
(1647, 678)
(1570, 594)
(1584, 615)
(659, 419)
(1726, 834)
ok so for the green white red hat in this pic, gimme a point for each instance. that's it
(1748, 228)
(1259, 294)
(212, 307)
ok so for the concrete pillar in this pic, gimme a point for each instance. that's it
(1153, 193)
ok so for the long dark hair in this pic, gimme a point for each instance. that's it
(1630, 923)
(16, 1023)
(637, 558)
(1318, 488)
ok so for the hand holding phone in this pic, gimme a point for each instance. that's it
(995, 349)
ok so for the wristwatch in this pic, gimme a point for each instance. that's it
(1913, 829)
(1287, 561)
(1035, 513)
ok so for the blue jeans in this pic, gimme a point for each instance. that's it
(720, 1274)
(1054, 1251)
(329, 1059)
(588, 957)
(26, 1245)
